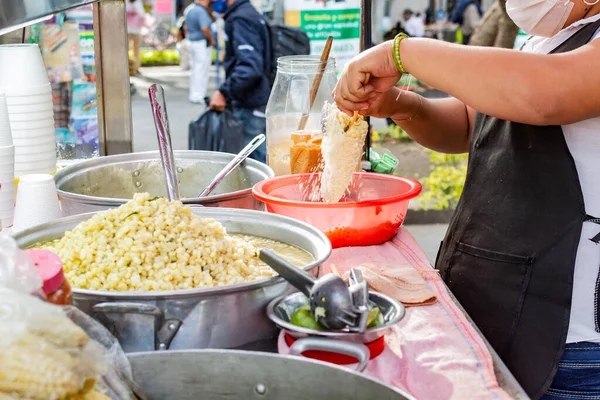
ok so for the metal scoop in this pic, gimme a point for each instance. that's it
(331, 301)
(237, 160)
(161, 122)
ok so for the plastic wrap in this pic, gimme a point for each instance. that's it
(17, 272)
(49, 352)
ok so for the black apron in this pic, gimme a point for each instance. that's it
(509, 253)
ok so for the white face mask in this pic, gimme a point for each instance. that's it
(539, 17)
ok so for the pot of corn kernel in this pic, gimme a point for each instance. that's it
(161, 278)
(105, 182)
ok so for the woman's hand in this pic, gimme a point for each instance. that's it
(398, 104)
(351, 94)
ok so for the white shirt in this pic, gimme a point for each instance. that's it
(583, 140)
(415, 27)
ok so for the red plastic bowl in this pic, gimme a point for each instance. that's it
(371, 213)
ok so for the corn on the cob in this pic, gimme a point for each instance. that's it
(36, 369)
(342, 148)
(65, 335)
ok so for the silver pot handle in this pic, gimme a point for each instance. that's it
(168, 328)
(356, 350)
(127, 308)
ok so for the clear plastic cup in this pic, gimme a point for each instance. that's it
(26, 66)
(5, 132)
(44, 98)
(37, 202)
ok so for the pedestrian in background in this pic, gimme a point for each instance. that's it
(135, 21)
(183, 44)
(198, 20)
(468, 15)
(496, 28)
(413, 24)
(247, 57)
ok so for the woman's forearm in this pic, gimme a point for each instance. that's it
(442, 124)
(503, 83)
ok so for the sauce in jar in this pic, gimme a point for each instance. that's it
(56, 288)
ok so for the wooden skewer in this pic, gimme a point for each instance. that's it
(317, 82)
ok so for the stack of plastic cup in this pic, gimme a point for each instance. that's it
(7, 168)
(24, 80)
(37, 202)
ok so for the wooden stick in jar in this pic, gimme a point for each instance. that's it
(317, 82)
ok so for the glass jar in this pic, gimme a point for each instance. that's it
(289, 101)
(56, 288)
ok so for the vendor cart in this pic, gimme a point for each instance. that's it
(114, 103)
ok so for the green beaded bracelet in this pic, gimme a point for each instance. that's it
(396, 52)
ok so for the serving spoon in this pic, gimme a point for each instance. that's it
(163, 132)
(231, 165)
(331, 301)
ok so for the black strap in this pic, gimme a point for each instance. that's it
(589, 218)
(583, 37)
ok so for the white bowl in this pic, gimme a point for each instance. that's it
(33, 133)
(22, 65)
(26, 100)
(31, 108)
(39, 124)
(32, 116)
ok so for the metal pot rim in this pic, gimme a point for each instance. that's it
(304, 360)
(66, 172)
(184, 293)
(297, 330)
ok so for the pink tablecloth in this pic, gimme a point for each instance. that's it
(433, 353)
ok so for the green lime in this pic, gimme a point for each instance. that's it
(375, 318)
(303, 317)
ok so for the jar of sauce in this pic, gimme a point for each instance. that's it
(56, 288)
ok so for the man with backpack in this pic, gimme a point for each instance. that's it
(247, 66)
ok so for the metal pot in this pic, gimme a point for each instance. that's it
(241, 375)
(107, 182)
(221, 317)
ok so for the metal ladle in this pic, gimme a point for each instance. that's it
(161, 122)
(331, 301)
(237, 160)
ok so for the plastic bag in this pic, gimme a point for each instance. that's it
(17, 272)
(216, 131)
(43, 354)
(52, 352)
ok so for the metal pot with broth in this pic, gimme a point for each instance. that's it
(211, 304)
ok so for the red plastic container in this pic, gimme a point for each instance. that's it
(371, 213)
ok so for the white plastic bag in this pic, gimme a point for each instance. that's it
(17, 272)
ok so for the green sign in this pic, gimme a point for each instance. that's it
(340, 24)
